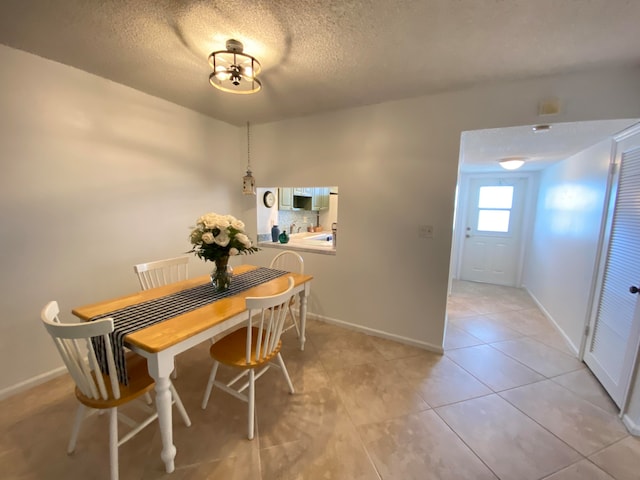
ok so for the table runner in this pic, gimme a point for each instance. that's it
(136, 317)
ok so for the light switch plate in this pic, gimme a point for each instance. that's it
(425, 231)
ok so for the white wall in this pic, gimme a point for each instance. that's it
(266, 217)
(396, 164)
(561, 259)
(95, 177)
(99, 176)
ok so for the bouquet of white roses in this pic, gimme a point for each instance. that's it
(217, 236)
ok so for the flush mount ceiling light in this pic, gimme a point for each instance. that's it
(511, 163)
(234, 71)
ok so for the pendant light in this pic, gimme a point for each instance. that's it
(248, 181)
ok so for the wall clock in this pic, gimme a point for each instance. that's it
(269, 199)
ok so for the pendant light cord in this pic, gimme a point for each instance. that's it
(248, 149)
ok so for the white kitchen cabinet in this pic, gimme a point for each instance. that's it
(320, 199)
(303, 191)
(285, 198)
(308, 198)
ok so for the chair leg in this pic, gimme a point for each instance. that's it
(293, 319)
(212, 378)
(113, 442)
(252, 403)
(80, 413)
(285, 373)
(180, 406)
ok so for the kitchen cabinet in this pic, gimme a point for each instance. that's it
(308, 198)
(303, 191)
(320, 199)
(285, 198)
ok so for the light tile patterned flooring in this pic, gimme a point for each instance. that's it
(507, 400)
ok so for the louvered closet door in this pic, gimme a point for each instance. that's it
(613, 342)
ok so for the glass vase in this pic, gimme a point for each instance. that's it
(221, 274)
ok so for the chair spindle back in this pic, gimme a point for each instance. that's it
(270, 313)
(71, 340)
(162, 272)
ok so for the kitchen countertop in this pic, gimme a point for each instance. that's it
(311, 242)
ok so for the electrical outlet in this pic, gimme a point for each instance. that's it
(425, 231)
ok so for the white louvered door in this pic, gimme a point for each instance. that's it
(612, 345)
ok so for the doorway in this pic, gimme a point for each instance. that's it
(492, 218)
(611, 348)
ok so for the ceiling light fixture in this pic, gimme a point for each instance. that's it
(511, 163)
(248, 181)
(234, 71)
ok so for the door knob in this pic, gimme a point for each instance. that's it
(634, 289)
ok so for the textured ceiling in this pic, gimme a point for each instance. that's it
(322, 55)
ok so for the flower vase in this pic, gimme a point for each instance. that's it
(221, 274)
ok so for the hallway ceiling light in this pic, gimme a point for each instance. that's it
(234, 71)
(511, 163)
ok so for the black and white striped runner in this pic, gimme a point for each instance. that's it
(136, 317)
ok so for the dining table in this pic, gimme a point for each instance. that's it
(159, 339)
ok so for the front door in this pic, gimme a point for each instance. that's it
(612, 344)
(492, 239)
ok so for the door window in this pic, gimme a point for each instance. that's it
(494, 208)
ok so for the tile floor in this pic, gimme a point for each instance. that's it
(507, 400)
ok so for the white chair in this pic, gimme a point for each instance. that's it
(99, 391)
(250, 348)
(162, 272)
(290, 261)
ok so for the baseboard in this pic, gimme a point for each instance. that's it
(30, 383)
(567, 340)
(632, 427)
(377, 333)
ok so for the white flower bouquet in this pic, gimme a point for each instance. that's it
(218, 236)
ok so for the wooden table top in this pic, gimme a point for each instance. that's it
(171, 332)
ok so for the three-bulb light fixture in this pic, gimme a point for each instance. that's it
(233, 70)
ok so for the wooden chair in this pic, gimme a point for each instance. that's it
(250, 348)
(290, 261)
(162, 272)
(98, 391)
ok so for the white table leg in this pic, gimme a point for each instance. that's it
(160, 368)
(303, 315)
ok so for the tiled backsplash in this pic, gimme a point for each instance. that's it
(288, 217)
